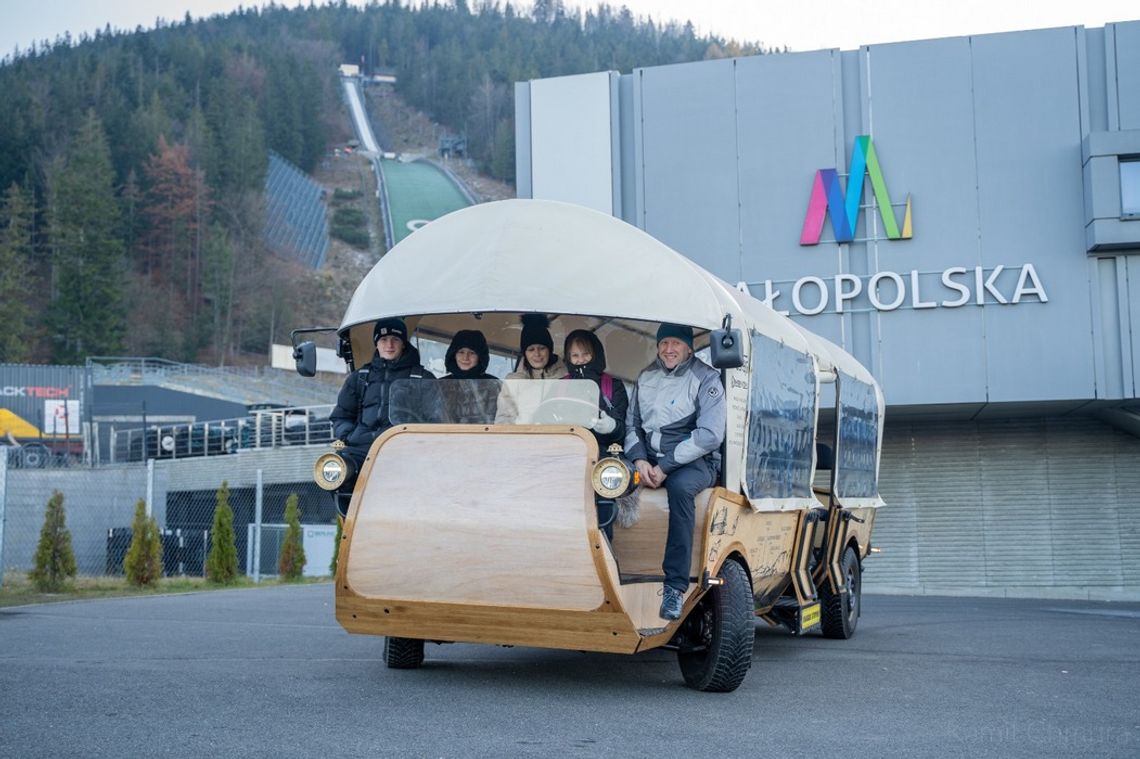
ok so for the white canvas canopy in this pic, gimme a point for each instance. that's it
(480, 267)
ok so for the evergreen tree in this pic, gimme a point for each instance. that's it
(291, 564)
(336, 545)
(55, 561)
(222, 561)
(17, 301)
(143, 564)
(88, 309)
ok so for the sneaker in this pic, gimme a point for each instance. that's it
(671, 602)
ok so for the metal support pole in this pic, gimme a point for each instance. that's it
(257, 530)
(3, 511)
(149, 488)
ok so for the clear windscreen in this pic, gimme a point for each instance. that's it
(492, 401)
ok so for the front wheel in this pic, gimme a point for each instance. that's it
(716, 647)
(841, 610)
(403, 653)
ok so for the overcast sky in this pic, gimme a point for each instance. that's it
(797, 24)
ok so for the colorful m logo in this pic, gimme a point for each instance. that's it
(826, 195)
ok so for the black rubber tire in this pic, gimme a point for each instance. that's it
(841, 610)
(403, 653)
(724, 624)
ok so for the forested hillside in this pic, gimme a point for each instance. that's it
(132, 164)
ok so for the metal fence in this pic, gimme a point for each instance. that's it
(262, 428)
(181, 494)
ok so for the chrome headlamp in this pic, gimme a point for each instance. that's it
(330, 471)
(613, 477)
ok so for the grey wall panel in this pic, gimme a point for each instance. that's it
(1031, 209)
(1014, 467)
(951, 538)
(1127, 89)
(689, 147)
(1126, 478)
(786, 121)
(1094, 82)
(1082, 504)
(1132, 301)
(921, 106)
(896, 524)
(1023, 507)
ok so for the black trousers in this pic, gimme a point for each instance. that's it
(682, 487)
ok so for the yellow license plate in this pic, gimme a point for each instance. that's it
(809, 617)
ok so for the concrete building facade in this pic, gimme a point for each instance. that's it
(962, 215)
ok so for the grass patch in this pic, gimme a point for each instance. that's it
(18, 590)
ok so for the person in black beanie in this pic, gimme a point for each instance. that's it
(475, 400)
(364, 403)
(537, 359)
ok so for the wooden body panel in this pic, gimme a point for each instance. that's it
(640, 549)
(502, 521)
(489, 535)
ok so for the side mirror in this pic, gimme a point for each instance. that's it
(725, 348)
(305, 355)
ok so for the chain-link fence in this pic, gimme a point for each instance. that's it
(99, 503)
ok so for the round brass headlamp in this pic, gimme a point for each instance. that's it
(330, 471)
(611, 477)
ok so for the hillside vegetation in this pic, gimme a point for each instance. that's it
(132, 163)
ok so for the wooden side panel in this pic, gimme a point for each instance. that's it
(460, 518)
(767, 539)
(640, 549)
(544, 628)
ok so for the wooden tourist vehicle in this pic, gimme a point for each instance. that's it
(469, 528)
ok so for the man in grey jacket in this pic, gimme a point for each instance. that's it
(674, 430)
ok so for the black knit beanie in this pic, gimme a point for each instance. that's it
(535, 331)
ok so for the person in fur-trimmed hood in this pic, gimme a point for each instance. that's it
(586, 359)
(473, 401)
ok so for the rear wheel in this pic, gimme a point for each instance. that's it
(403, 653)
(716, 645)
(841, 610)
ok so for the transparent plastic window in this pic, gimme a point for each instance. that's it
(858, 439)
(492, 401)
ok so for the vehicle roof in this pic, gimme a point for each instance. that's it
(517, 256)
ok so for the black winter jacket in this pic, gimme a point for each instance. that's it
(617, 406)
(362, 407)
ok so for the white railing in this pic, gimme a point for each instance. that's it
(262, 428)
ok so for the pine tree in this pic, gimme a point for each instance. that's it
(55, 561)
(222, 561)
(143, 565)
(88, 309)
(291, 565)
(16, 299)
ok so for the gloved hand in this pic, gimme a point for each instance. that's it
(604, 424)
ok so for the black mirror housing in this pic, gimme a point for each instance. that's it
(305, 355)
(726, 348)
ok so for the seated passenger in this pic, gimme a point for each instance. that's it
(587, 360)
(537, 360)
(474, 401)
(364, 404)
(674, 431)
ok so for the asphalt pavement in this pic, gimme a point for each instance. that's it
(268, 672)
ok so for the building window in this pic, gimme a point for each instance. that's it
(1130, 188)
